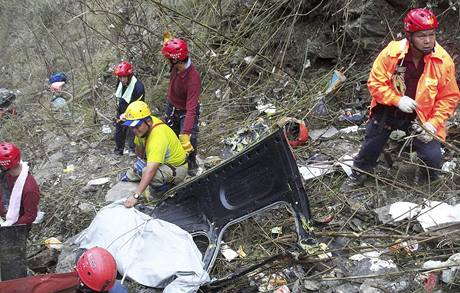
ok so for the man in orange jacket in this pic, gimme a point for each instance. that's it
(411, 80)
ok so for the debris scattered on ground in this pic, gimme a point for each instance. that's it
(99, 181)
(336, 80)
(267, 108)
(429, 214)
(244, 137)
(351, 116)
(227, 252)
(53, 243)
(324, 133)
(449, 267)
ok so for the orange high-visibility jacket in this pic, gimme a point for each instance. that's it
(437, 90)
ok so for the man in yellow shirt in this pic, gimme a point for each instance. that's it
(159, 146)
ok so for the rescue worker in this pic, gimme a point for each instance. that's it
(182, 106)
(96, 271)
(412, 83)
(19, 192)
(129, 89)
(156, 144)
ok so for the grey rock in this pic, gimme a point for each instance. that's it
(43, 259)
(48, 171)
(309, 285)
(68, 257)
(347, 288)
(56, 143)
(56, 157)
(384, 214)
(387, 286)
(86, 207)
(120, 190)
(94, 145)
(89, 189)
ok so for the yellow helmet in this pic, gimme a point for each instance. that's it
(136, 113)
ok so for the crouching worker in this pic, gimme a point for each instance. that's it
(19, 193)
(156, 144)
(96, 271)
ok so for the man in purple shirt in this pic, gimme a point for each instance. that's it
(182, 108)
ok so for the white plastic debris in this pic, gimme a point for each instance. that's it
(268, 108)
(315, 170)
(227, 252)
(350, 129)
(248, 59)
(99, 181)
(38, 219)
(346, 162)
(449, 166)
(212, 53)
(321, 168)
(277, 230)
(374, 258)
(106, 129)
(429, 215)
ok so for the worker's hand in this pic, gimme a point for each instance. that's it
(130, 201)
(427, 137)
(407, 105)
(185, 142)
(120, 118)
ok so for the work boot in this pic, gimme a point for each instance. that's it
(118, 152)
(192, 166)
(424, 177)
(355, 180)
(131, 153)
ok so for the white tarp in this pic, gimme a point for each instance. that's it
(149, 251)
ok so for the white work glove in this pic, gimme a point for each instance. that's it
(407, 105)
(423, 135)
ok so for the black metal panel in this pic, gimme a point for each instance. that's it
(13, 252)
(262, 176)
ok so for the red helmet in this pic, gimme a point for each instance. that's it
(296, 132)
(123, 69)
(10, 155)
(97, 269)
(175, 49)
(420, 19)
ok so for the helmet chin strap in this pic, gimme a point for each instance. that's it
(424, 52)
(148, 131)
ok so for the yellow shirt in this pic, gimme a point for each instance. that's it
(162, 145)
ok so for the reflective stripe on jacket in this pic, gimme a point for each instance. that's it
(437, 90)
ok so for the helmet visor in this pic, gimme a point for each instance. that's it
(133, 123)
